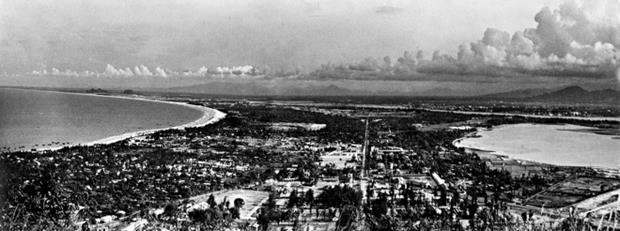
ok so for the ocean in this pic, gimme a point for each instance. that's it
(39, 119)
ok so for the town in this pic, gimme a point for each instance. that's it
(293, 165)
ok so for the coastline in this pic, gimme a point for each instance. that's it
(209, 116)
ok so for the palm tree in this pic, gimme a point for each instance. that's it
(310, 197)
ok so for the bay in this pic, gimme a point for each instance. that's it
(38, 119)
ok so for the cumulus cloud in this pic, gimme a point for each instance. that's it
(160, 72)
(574, 40)
(140, 70)
(202, 70)
(578, 39)
(113, 71)
(144, 71)
(237, 70)
(109, 71)
(66, 72)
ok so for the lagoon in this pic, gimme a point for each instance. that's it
(566, 145)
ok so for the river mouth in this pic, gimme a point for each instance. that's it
(564, 145)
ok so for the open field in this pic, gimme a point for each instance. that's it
(253, 200)
(338, 160)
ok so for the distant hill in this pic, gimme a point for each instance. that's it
(576, 94)
(225, 88)
(257, 89)
(571, 94)
(519, 94)
(329, 90)
(437, 91)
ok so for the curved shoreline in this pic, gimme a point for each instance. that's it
(209, 116)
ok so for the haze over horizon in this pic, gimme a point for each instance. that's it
(451, 44)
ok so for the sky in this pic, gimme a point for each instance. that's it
(88, 35)
(443, 37)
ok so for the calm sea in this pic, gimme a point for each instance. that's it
(36, 119)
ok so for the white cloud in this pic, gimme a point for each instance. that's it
(113, 71)
(143, 71)
(202, 71)
(571, 40)
(160, 72)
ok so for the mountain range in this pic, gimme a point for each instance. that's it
(254, 89)
(570, 94)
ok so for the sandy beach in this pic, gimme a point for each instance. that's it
(209, 116)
